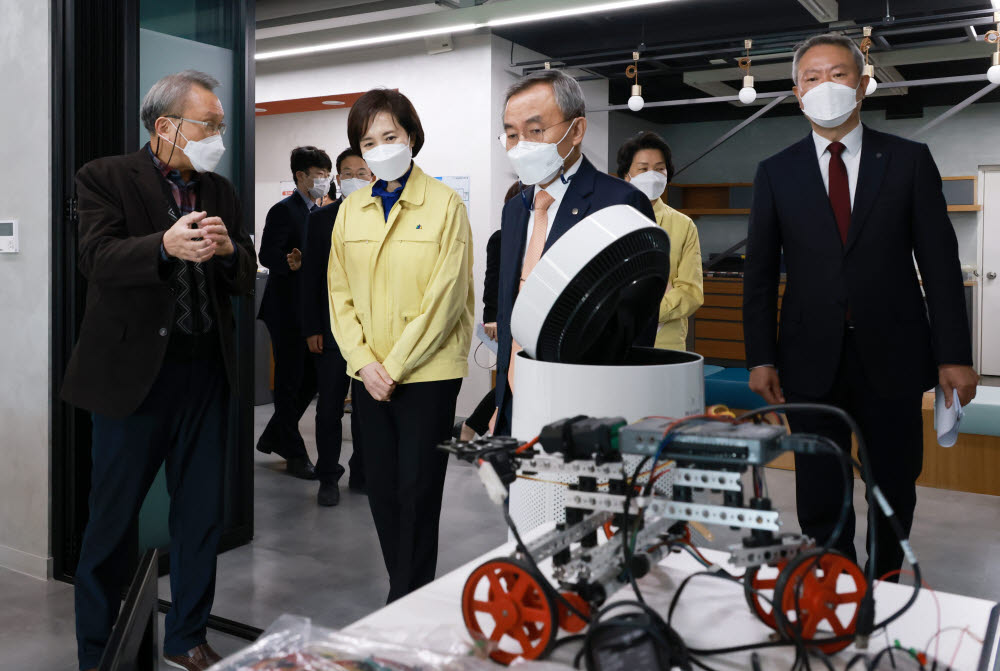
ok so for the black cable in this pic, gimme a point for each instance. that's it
(626, 549)
(542, 580)
(656, 628)
(862, 452)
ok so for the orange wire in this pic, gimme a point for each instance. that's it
(526, 446)
(937, 603)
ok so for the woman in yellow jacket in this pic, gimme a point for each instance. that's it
(401, 304)
(645, 162)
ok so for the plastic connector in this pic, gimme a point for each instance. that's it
(866, 621)
(583, 437)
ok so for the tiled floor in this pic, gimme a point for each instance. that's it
(325, 562)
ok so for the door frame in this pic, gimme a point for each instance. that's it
(977, 322)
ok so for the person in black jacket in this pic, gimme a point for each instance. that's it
(850, 208)
(163, 249)
(478, 423)
(281, 250)
(332, 380)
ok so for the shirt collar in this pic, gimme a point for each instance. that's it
(851, 142)
(309, 203)
(170, 173)
(557, 189)
(379, 188)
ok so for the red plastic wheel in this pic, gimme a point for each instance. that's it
(755, 586)
(506, 604)
(812, 585)
(570, 621)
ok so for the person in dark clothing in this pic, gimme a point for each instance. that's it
(478, 423)
(281, 252)
(332, 380)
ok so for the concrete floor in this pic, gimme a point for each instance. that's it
(325, 563)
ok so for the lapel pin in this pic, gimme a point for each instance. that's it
(576, 211)
(418, 227)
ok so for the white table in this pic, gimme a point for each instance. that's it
(713, 613)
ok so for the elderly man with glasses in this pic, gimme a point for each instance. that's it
(544, 125)
(163, 249)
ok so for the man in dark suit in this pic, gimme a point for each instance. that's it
(545, 108)
(281, 250)
(163, 248)
(330, 368)
(849, 208)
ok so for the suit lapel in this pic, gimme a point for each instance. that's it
(575, 204)
(814, 191)
(512, 242)
(871, 171)
(148, 182)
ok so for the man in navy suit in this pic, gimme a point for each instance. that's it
(332, 380)
(281, 249)
(850, 208)
(544, 127)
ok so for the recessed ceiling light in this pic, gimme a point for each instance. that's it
(717, 61)
(333, 102)
(259, 109)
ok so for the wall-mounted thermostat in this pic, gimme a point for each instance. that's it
(8, 237)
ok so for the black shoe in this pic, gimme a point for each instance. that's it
(329, 494)
(301, 467)
(266, 446)
(456, 431)
(358, 487)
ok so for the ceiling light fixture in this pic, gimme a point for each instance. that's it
(636, 102)
(748, 93)
(333, 102)
(869, 69)
(993, 37)
(457, 28)
(259, 109)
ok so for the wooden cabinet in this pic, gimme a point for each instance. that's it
(717, 327)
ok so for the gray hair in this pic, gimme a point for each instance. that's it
(569, 95)
(167, 95)
(829, 38)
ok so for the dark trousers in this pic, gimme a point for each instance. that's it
(479, 420)
(294, 389)
(182, 421)
(333, 384)
(406, 473)
(893, 433)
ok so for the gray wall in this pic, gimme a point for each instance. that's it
(24, 278)
(959, 145)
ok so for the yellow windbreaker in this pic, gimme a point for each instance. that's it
(686, 293)
(401, 291)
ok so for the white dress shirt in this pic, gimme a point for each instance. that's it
(851, 156)
(557, 190)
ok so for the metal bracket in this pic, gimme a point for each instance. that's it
(709, 514)
(789, 547)
(706, 479)
(581, 468)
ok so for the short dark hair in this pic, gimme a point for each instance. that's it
(346, 154)
(644, 140)
(383, 100)
(307, 157)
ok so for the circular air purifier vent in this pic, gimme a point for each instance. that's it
(613, 259)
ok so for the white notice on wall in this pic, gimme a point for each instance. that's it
(460, 184)
(285, 189)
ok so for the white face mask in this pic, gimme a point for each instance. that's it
(651, 183)
(203, 154)
(352, 184)
(320, 187)
(389, 161)
(536, 162)
(829, 104)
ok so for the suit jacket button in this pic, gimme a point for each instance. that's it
(163, 332)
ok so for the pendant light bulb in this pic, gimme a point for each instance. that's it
(993, 74)
(872, 82)
(635, 103)
(748, 93)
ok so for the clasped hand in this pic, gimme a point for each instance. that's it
(377, 381)
(209, 237)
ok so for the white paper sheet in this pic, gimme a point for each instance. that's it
(947, 420)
